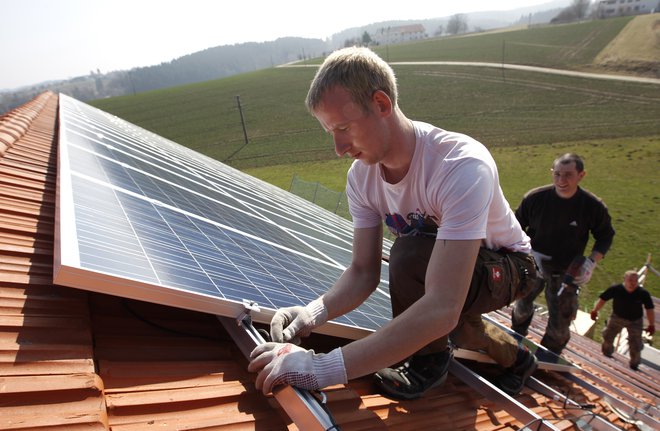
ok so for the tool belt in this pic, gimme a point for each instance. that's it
(499, 278)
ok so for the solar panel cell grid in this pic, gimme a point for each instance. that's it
(175, 227)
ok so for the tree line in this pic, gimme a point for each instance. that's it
(209, 64)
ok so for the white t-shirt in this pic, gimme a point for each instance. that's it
(451, 191)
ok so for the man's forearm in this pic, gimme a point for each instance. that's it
(351, 290)
(400, 338)
(596, 256)
(650, 316)
(599, 305)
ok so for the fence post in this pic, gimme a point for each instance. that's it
(315, 191)
(338, 202)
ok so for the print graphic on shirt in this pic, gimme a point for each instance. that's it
(573, 223)
(416, 223)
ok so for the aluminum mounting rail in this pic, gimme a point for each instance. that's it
(632, 400)
(627, 413)
(304, 409)
(531, 420)
(584, 421)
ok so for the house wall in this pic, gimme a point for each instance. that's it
(611, 8)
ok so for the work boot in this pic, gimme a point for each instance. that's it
(416, 376)
(522, 327)
(513, 379)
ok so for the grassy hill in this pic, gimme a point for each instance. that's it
(566, 46)
(525, 118)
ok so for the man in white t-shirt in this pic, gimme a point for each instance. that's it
(459, 250)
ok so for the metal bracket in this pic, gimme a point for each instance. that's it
(306, 409)
(245, 316)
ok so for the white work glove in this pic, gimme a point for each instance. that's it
(286, 363)
(291, 323)
(585, 272)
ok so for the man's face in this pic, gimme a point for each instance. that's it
(630, 281)
(356, 133)
(566, 178)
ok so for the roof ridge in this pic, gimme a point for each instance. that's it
(15, 123)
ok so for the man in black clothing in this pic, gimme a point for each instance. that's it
(628, 299)
(559, 218)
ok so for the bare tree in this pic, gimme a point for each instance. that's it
(575, 12)
(457, 24)
(580, 8)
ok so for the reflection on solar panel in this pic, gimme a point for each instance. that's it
(142, 217)
(547, 359)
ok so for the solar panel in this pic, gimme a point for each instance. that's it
(143, 217)
(547, 359)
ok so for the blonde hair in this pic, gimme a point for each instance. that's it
(358, 70)
(630, 272)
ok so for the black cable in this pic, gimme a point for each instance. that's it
(322, 400)
(143, 319)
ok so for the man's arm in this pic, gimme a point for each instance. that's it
(650, 316)
(602, 231)
(596, 256)
(357, 282)
(596, 309)
(363, 275)
(434, 315)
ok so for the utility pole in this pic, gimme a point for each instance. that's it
(240, 110)
(503, 49)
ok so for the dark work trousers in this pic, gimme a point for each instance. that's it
(562, 309)
(409, 258)
(635, 344)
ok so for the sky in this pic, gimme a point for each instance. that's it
(43, 40)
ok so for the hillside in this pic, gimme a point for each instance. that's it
(636, 49)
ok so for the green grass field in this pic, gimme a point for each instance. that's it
(525, 118)
(565, 46)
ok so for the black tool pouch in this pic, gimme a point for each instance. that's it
(499, 278)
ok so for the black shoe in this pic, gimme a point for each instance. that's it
(416, 376)
(522, 330)
(634, 367)
(513, 379)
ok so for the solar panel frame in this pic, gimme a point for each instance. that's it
(142, 217)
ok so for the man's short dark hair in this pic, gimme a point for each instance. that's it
(570, 158)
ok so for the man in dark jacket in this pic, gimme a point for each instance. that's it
(559, 218)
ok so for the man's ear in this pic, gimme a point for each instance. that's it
(581, 175)
(383, 102)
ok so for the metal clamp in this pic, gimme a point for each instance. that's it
(249, 306)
